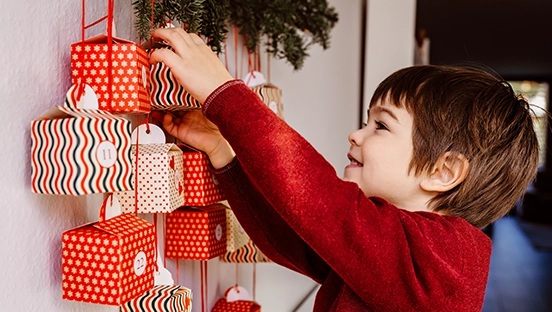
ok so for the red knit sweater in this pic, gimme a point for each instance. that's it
(367, 254)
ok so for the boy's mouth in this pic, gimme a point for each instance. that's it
(354, 161)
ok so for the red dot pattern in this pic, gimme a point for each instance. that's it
(236, 236)
(199, 186)
(129, 61)
(236, 306)
(160, 180)
(192, 233)
(98, 260)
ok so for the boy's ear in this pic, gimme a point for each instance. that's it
(449, 171)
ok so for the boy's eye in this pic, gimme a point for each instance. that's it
(380, 126)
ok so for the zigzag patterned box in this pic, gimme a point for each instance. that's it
(80, 151)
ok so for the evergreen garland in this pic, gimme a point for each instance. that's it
(290, 26)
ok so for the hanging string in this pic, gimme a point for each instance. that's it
(164, 239)
(267, 65)
(156, 255)
(177, 269)
(254, 280)
(237, 267)
(236, 39)
(202, 281)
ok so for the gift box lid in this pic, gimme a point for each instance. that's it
(59, 112)
(156, 148)
(118, 226)
(102, 39)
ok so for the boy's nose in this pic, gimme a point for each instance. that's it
(355, 137)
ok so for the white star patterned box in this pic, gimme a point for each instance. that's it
(200, 188)
(108, 262)
(196, 233)
(130, 72)
(160, 180)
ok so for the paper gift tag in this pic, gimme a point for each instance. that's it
(88, 99)
(162, 276)
(254, 79)
(112, 207)
(148, 134)
(237, 293)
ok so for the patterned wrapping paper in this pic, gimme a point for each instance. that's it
(165, 298)
(108, 262)
(160, 180)
(249, 253)
(236, 306)
(236, 236)
(166, 93)
(196, 233)
(200, 188)
(80, 151)
(130, 73)
(272, 97)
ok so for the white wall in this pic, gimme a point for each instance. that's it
(321, 102)
(389, 41)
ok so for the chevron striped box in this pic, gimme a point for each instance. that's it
(166, 298)
(166, 93)
(130, 72)
(80, 151)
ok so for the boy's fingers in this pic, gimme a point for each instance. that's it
(177, 38)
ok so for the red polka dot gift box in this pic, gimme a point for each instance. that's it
(196, 233)
(126, 90)
(80, 151)
(108, 262)
(236, 299)
(200, 188)
(162, 298)
(159, 178)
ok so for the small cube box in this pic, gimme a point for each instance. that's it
(200, 188)
(196, 233)
(108, 262)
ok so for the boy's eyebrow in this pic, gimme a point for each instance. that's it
(381, 109)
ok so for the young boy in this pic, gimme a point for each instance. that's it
(446, 151)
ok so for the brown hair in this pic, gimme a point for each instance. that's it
(475, 113)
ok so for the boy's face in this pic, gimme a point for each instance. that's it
(380, 155)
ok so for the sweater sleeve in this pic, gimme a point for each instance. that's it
(265, 226)
(387, 256)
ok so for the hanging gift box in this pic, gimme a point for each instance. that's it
(159, 180)
(164, 298)
(272, 97)
(200, 188)
(79, 151)
(236, 237)
(269, 93)
(108, 262)
(125, 91)
(196, 233)
(249, 253)
(166, 93)
(236, 299)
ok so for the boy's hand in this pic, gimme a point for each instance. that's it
(194, 129)
(195, 66)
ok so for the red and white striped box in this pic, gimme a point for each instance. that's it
(166, 298)
(160, 179)
(166, 93)
(196, 233)
(200, 188)
(80, 151)
(130, 70)
(108, 262)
